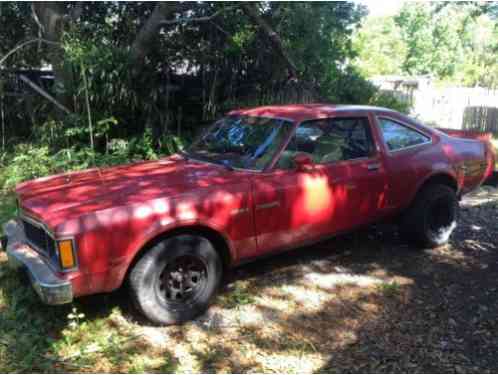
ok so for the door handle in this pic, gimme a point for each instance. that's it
(267, 205)
(373, 166)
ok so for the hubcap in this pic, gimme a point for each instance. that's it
(182, 279)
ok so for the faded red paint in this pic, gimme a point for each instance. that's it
(114, 212)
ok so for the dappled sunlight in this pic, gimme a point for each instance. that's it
(142, 212)
(335, 279)
(312, 298)
(186, 211)
(290, 363)
(317, 195)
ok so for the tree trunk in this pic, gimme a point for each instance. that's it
(50, 17)
(143, 43)
(253, 13)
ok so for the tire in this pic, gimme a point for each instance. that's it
(175, 280)
(433, 216)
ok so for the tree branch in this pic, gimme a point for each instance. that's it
(35, 17)
(196, 19)
(23, 44)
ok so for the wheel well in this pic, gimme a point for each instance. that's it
(441, 179)
(218, 241)
(438, 179)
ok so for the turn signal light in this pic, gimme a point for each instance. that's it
(66, 254)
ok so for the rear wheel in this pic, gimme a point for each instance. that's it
(433, 216)
(175, 280)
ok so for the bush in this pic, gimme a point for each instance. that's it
(388, 100)
(349, 87)
(28, 161)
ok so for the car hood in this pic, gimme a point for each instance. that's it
(59, 198)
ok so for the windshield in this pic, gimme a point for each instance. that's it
(242, 141)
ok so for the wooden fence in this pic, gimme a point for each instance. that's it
(458, 108)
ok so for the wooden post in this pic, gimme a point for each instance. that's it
(88, 112)
(179, 121)
(43, 93)
(2, 114)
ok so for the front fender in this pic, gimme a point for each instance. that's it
(163, 227)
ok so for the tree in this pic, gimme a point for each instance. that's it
(453, 42)
(156, 65)
(381, 50)
(432, 39)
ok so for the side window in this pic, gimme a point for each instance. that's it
(398, 136)
(330, 140)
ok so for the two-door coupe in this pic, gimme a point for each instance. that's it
(258, 181)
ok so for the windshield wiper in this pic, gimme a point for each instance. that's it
(227, 164)
(224, 163)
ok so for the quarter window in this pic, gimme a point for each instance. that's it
(398, 136)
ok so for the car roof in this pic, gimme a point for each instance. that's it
(303, 112)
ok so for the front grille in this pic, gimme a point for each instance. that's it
(39, 238)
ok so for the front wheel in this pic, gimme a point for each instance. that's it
(175, 280)
(433, 216)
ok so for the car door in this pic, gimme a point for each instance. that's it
(289, 203)
(341, 189)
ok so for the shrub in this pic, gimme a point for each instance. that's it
(388, 100)
(28, 161)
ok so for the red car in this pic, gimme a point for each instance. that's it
(259, 181)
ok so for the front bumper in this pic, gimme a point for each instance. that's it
(52, 289)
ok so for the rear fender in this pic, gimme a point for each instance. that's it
(446, 177)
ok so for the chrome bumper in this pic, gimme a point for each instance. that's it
(51, 289)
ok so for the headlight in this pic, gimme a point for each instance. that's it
(66, 254)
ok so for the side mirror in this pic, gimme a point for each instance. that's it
(303, 162)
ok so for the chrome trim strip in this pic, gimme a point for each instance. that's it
(36, 223)
(238, 211)
(267, 205)
(374, 166)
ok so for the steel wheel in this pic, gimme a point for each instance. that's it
(182, 279)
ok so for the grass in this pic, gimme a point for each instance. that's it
(390, 289)
(38, 338)
(7, 208)
(240, 295)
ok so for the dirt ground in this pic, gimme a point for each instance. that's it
(365, 302)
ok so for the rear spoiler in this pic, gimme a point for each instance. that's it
(471, 134)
